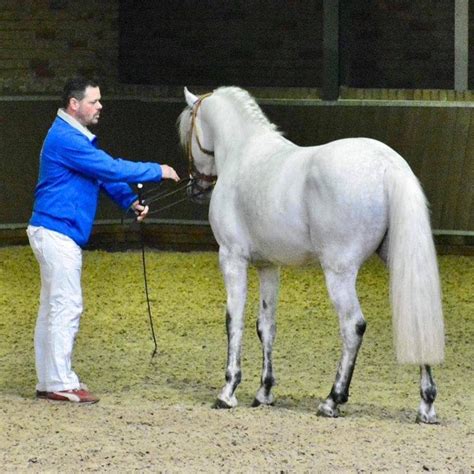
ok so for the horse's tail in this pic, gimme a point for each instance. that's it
(414, 278)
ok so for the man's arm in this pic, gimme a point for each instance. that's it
(80, 155)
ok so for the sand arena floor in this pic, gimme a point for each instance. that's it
(155, 415)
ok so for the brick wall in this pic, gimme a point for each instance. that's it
(278, 43)
(274, 43)
(398, 43)
(43, 42)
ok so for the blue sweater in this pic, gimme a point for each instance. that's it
(72, 171)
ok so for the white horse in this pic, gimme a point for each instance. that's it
(275, 203)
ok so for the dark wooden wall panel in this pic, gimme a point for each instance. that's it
(437, 141)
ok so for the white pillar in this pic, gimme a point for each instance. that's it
(461, 44)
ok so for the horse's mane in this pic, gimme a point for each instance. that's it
(247, 104)
(184, 125)
(241, 99)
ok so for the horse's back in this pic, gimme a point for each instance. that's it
(300, 203)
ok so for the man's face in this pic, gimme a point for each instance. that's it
(87, 110)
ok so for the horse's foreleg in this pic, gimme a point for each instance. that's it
(266, 330)
(341, 287)
(426, 411)
(234, 270)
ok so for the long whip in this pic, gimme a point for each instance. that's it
(142, 239)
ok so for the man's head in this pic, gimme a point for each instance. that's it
(81, 100)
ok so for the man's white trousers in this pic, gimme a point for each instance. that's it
(60, 261)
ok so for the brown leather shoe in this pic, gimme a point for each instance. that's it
(76, 396)
(43, 395)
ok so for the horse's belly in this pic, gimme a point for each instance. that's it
(284, 245)
(289, 256)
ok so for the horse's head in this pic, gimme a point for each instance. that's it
(196, 138)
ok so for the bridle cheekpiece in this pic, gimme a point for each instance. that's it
(194, 172)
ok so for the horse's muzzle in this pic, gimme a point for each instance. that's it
(199, 194)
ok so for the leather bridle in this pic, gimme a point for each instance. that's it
(194, 172)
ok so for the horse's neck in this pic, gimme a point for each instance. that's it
(232, 131)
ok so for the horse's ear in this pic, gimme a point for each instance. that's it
(190, 98)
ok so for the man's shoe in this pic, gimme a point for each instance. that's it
(43, 395)
(76, 396)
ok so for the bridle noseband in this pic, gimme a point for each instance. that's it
(195, 173)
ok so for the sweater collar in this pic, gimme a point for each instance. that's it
(74, 123)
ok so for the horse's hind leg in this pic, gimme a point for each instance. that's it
(341, 287)
(426, 411)
(266, 330)
(234, 270)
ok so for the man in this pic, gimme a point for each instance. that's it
(72, 171)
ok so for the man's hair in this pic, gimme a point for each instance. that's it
(76, 88)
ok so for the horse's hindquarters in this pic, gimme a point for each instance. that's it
(347, 207)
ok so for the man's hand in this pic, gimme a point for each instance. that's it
(169, 173)
(140, 210)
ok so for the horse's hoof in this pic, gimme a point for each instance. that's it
(426, 414)
(428, 420)
(221, 404)
(327, 411)
(256, 403)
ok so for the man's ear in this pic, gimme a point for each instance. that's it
(73, 103)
